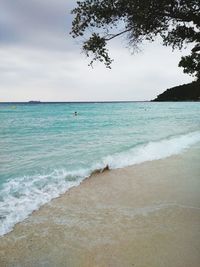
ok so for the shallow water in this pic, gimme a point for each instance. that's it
(45, 149)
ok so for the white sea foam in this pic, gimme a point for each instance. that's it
(152, 151)
(21, 196)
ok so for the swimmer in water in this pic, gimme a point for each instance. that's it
(75, 113)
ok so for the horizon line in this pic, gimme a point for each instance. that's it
(71, 102)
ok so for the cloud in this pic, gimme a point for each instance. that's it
(40, 61)
(58, 76)
(43, 24)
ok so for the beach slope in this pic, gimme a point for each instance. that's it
(146, 215)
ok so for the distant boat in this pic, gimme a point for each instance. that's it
(34, 102)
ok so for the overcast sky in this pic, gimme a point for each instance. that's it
(40, 60)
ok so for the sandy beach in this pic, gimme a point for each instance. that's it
(146, 215)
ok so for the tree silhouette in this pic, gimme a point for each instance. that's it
(177, 22)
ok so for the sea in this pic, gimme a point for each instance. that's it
(45, 148)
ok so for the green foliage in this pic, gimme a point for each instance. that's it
(191, 64)
(185, 92)
(97, 46)
(176, 21)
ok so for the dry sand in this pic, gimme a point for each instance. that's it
(147, 215)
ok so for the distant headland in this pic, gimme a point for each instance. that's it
(34, 102)
(185, 92)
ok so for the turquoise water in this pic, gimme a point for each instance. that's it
(45, 149)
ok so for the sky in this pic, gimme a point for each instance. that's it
(41, 61)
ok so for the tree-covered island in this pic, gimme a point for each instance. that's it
(185, 92)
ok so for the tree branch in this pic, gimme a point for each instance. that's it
(118, 34)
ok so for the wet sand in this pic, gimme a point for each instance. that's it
(146, 215)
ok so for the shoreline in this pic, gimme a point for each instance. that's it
(20, 209)
(143, 215)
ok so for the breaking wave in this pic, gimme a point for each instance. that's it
(23, 195)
